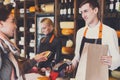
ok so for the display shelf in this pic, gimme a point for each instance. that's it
(64, 15)
(24, 21)
(111, 16)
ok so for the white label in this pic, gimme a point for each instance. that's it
(69, 10)
(61, 11)
(117, 6)
(65, 11)
(73, 10)
(111, 6)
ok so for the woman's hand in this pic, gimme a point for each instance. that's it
(107, 60)
(40, 57)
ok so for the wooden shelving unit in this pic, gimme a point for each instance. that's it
(24, 21)
(27, 19)
(111, 18)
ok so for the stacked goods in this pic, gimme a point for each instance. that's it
(32, 9)
(68, 49)
(67, 28)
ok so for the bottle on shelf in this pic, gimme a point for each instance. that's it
(111, 5)
(32, 43)
(117, 5)
(21, 42)
(70, 9)
(32, 29)
(63, 13)
(65, 8)
(61, 9)
(72, 1)
(22, 54)
(21, 28)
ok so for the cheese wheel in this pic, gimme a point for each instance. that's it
(67, 31)
(67, 50)
(48, 8)
(69, 43)
(6, 2)
(67, 25)
(32, 9)
(43, 78)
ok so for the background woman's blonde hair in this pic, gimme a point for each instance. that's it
(47, 21)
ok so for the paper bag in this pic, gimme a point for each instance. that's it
(90, 66)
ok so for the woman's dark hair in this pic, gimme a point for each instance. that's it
(5, 11)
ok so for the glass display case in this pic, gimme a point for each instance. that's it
(38, 32)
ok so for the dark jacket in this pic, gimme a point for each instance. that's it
(54, 46)
(6, 65)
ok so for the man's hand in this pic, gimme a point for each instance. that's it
(107, 60)
(69, 68)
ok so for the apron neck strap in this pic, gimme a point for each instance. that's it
(100, 31)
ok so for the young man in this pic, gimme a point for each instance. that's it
(95, 30)
(10, 66)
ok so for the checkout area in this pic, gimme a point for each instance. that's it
(60, 37)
